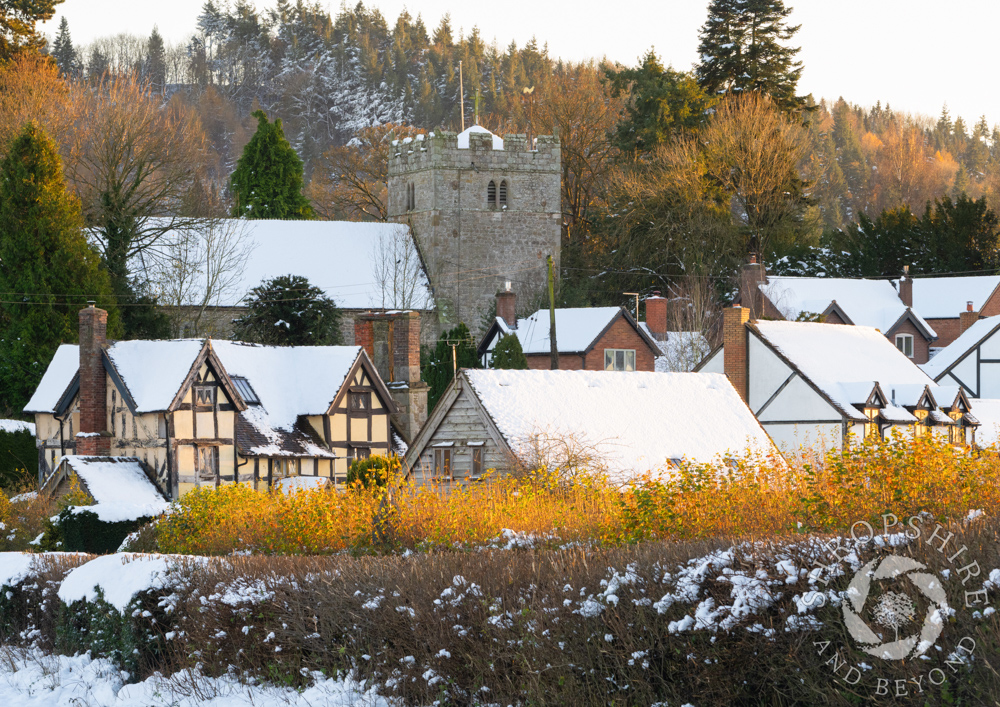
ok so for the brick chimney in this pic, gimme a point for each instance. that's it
(967, 318)
(93, 438)
(906, 287)
(656, 315)
(752, 275)
(392, 342)
(734, 341)
(506, 302)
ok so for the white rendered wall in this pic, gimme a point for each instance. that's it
(767, 373)
(715, 363)
(793, 439)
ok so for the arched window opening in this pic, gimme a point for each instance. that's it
(491, 195)
(503, 194)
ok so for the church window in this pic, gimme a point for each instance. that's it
(503, 194)
(411, 197)
(491, 195)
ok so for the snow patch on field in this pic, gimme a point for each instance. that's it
(33, 679)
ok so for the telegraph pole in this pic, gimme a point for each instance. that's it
(553, 348)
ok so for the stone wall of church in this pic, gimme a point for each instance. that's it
(470, 246)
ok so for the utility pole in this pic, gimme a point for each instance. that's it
(454, 361)
(461, 95)
(636, 295)
(553, 348)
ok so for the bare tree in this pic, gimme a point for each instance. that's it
(692, 319)
(398, 271)
(131, 158)
(350, 182)
(752, 150)
(202, 266)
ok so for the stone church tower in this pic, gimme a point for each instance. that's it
(483, 211)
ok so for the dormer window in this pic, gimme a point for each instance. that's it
(502, 194)
(904, 342)
(491, 195)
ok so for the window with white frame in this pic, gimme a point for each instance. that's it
(619, 359)
(904, 342)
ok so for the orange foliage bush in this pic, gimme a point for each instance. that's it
(750, 498)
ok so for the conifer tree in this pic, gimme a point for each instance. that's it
(44, 255)
(63, 51)
(268, 181)
(156, 67)
(663, 103)
(508, 354)
(742, 49)
(289, 311)
(437, 365)
(17, 25)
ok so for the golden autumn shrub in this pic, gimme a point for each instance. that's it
(744, 498)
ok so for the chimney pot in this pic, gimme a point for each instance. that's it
(968, 306)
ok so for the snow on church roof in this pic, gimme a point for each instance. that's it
(946, 297)
(463, 137)
(842, 361)
(339, 257)
(873, 303)
(638, 421)
(953, 352)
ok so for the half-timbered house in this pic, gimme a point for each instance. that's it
(201, 412)
(971, 361)
(816, 385)
(626, 424)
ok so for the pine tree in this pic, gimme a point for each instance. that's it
(663, 103)
(63, 51)
(289, 311)
(742, 50)
(268, 181)
(851, 157)
(156, 67)
(508, 354)
(45, 255)
(17, 25)
(437, 365)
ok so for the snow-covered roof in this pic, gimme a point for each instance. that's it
(638, 421)
(55, 380)
(17, 426)
(576, 328)
(953, 352)
(289, 380)
(120, 577)
(463, 137)
(873, 303)
(153, 371)
(842, 361)
(987, 411)
(946, 297)
(339, 257)
(120, 488)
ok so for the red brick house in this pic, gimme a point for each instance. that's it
(589, 338)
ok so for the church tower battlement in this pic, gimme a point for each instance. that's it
(484, 210)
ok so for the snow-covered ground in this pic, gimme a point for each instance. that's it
(33, 679)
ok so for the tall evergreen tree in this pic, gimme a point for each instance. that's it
(437, 365)
(742, 49)
(156, 62)
(268, 181)
(47, 269)
(663, 103)
(63, 51)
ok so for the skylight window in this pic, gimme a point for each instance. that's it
(245, 390)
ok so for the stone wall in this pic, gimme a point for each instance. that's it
(469, 246)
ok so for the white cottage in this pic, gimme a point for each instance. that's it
(972, 361)
(628, 423)
(818, 385)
